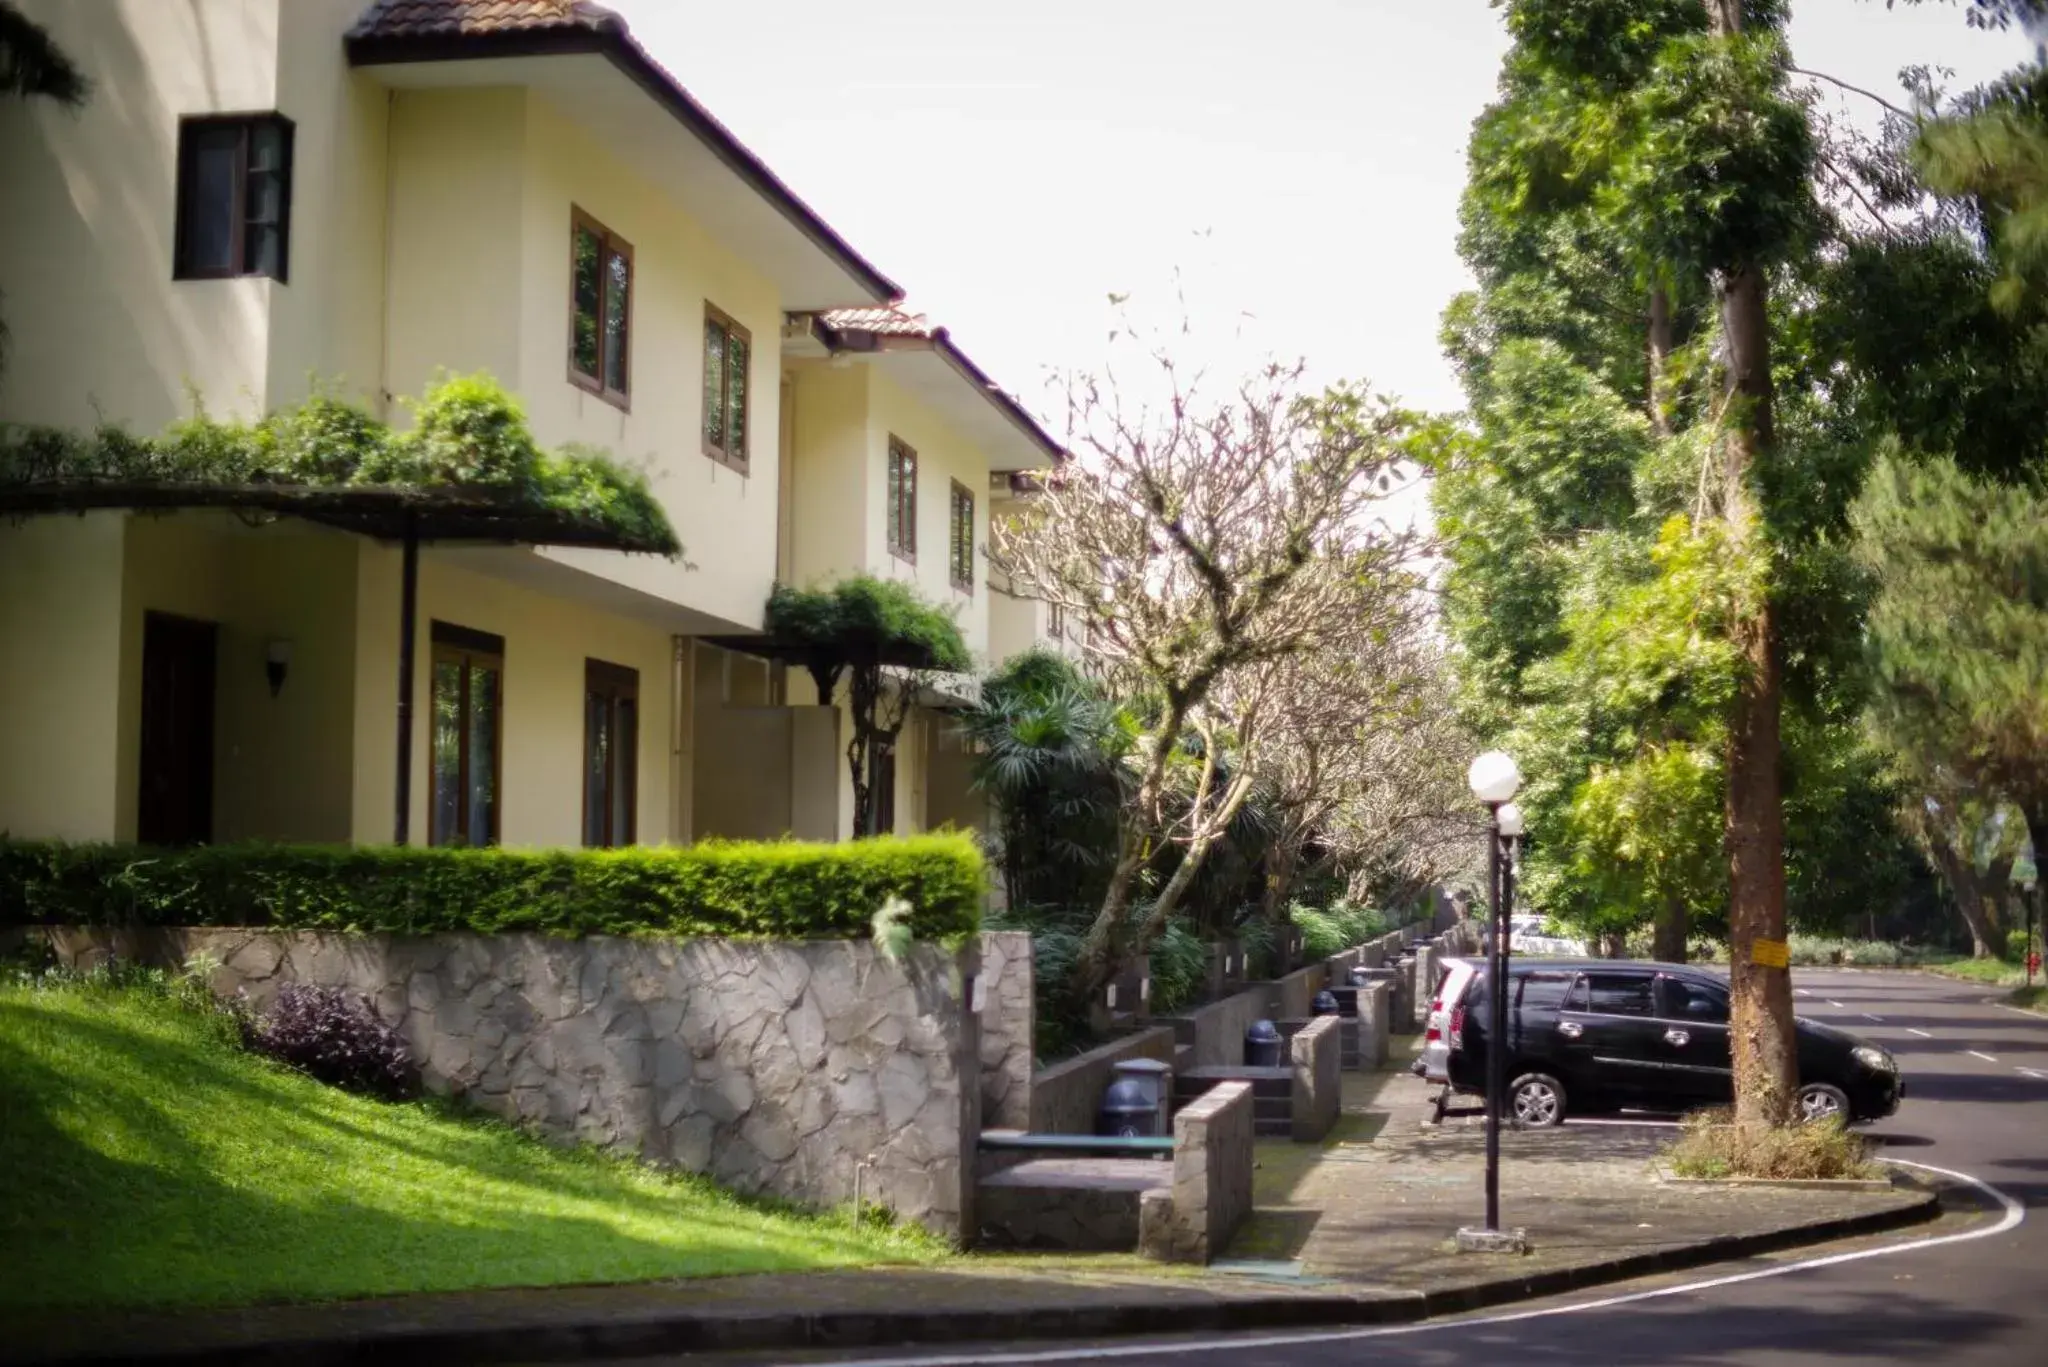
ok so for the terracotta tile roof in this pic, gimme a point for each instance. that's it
(883, 322)
(413, 18)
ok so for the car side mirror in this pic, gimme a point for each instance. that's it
(1704, 1010)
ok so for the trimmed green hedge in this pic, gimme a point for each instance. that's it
(768, 890)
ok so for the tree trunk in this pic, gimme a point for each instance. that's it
(1213, 829)
(1670, 930)
(1101, 950)
(1283, 862)
(1659, 358)
(1761, 1031)
(1961, 877)
(1760, 1027)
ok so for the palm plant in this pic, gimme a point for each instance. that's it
(1049, 751)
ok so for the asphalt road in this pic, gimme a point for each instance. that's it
(1976, 1102)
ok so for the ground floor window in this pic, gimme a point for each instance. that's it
(469, 670)
(611, 738)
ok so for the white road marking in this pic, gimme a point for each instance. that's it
(2036, 1074)
(1879, 1019)
(2019, 1011)
(1802, 992)
(1834, 1003)
(1912, 1030)
(2014, 1214)
(1976, 1053)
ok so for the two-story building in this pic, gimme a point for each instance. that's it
(262, 196)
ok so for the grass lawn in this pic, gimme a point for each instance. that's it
(1993, 972)
(144, 1161)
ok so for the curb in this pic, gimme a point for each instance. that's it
(663, 1334)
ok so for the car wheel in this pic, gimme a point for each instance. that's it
(1819, 1101)
(1536, 1101)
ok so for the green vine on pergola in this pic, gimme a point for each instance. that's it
(467, 470)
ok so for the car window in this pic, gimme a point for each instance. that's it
(1619, 994)
(1686, 1000)
(1544, 991)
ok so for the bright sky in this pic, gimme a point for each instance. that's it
(1014, 162)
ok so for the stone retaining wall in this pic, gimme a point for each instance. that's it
(1216, 1032)
(1065, 1097)
(775, 1067)
(1212, 1179)
(1316, 1052)
(1005, 984)
(1294, 994)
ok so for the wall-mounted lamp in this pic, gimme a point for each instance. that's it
(277, 660)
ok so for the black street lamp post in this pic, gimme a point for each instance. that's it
(1495, 780)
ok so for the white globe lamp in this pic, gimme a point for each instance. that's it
(1494, 777)
(1511, 820)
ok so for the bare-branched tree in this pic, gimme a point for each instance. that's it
(1196, 539)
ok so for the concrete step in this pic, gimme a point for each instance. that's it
(1088, 1204)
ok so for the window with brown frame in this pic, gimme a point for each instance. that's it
(468, 736)
(728, 348)
(611, 739)
(902, 494)
(960, 538)
(1056, 621)
(600, 309)
(234, 197)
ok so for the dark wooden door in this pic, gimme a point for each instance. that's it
(176, 803)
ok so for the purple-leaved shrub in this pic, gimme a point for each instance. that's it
(335, 1037)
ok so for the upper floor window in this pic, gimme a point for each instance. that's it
(600, 308)
(1055, 621)
(960, 540)
(234, 197)
(727, 349)
(902, 501)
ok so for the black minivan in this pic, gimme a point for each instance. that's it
(1589, 1035)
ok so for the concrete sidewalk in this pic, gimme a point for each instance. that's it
(1354, 1231)
(1376, 1206)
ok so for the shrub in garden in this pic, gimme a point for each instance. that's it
(335, 1037)
(1333, 929)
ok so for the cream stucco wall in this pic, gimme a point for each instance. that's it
(829, 487)
(282, 764)
(845, 415)
(451, 296)
(60, 664)
(943, 458)
(547, 642)
(327, 324)
(100, 329)
(727, 521)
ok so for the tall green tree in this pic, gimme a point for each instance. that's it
(1644, 179)
(1959, 631)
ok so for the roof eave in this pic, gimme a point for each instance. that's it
(614, 43)
(861, 341)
